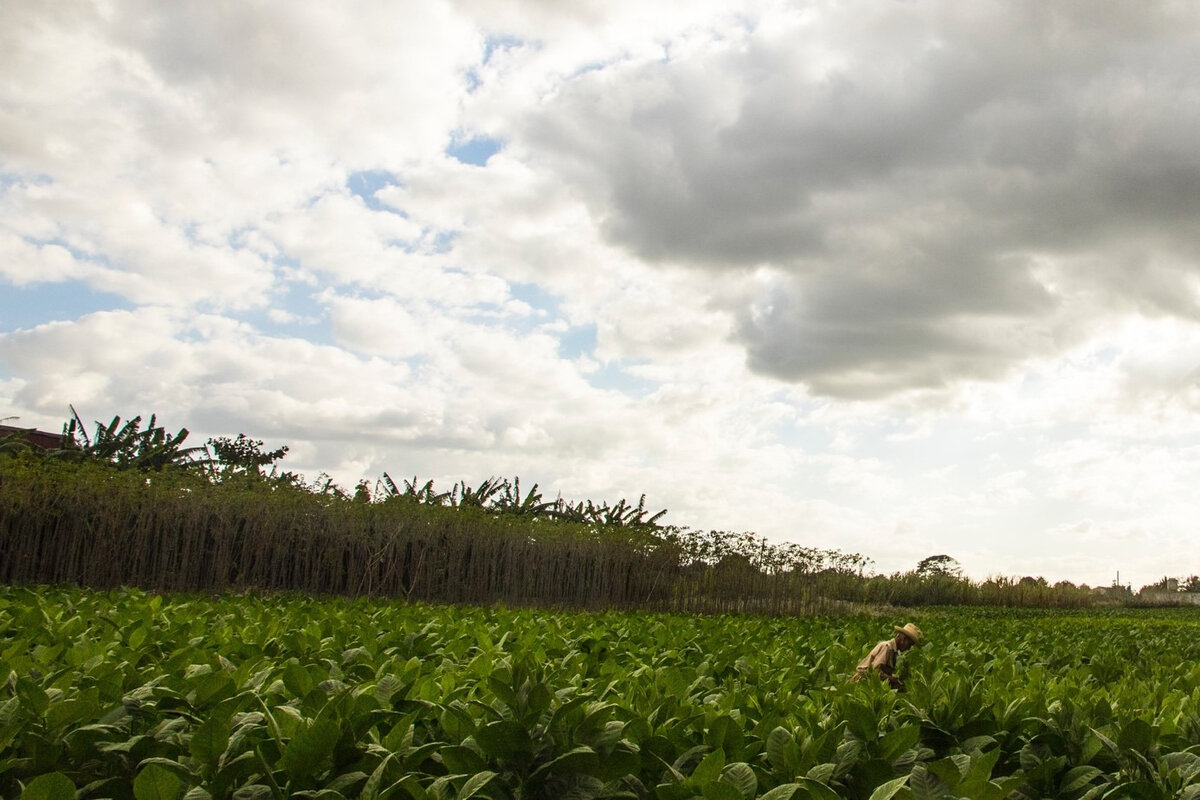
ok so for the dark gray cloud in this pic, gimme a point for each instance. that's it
(874, 332)
(942, 189)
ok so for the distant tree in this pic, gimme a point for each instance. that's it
(1190, 584)
(1164, 584)
(244, 456)
(737, 564)
(939, 566)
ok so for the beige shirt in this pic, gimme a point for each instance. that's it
(882, 659)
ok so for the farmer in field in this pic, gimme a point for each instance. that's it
(882, 658)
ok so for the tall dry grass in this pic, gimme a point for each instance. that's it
(87, 523)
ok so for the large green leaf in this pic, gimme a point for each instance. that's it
(155, 782)
(52, 786)
(504, 739)
(861, 720)
(781, 751)
(925, 785)
(1136, 735)
(375, 781)
(298, 680)
(816, 790)
(209, 740)
(709, 768)
(740, 775)
(1079, 777)
(577, 761)
(1136, 790)
(458, 758)
(718, 790)
(886, 791)
(311, 749)
(786, 791)
(895, 743)
(475, 784)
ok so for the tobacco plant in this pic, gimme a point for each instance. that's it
(127, 694)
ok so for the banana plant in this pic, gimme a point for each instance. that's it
(413, 491)
(510, 500)
(482, 496)
(129, 447)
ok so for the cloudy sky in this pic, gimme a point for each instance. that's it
(898, 278)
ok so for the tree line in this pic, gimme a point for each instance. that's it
(132, 505)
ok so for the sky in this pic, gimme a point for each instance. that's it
(895, 278)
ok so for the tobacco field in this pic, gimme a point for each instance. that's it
(127, 694)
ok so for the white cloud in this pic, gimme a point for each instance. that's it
(901, 279)
(907, 177)
(23, 262)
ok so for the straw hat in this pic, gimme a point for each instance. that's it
(912, 632)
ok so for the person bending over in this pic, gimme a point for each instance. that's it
(882, 658)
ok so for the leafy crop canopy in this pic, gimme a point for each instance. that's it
(128, 694)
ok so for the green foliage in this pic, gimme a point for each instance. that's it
(214, 518)
(939, 566)
(502, 496)
(89, 522)
(129, 694)
(51, 786)
(15, 442)
(85, 522)
(128, 446)
(242, 456)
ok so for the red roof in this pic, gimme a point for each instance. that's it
(41, 439)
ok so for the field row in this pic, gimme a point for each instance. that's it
(127, 694)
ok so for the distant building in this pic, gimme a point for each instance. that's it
(43, 440)
(1159, 598)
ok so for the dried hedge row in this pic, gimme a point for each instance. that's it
(85, 524)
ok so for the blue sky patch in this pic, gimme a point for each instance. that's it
(612, 376)
(309, 319)
(496, 43)
(366, 183)
(534, 296)
(8, 179)
(443, 241)
(36, 304)
(491, 46)
(475, 151)
(579, 340)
